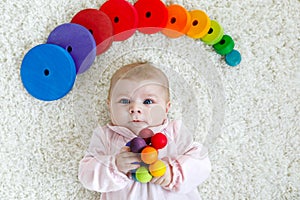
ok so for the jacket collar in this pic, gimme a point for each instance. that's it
(129, 134)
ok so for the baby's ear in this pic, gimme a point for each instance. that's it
(108, 104)
(168, 106)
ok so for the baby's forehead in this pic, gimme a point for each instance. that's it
(144, 72)
(134, 84)
(145, 87)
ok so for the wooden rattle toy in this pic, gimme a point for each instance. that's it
(151, 165)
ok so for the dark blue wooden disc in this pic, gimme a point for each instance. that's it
(48, 72)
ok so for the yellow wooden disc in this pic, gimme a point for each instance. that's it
(200, 24)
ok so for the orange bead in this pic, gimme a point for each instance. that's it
(149, 155)
(179, 21)
(200, 24)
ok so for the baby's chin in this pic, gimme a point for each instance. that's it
(136, 129)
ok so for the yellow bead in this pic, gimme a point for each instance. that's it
(157, 168)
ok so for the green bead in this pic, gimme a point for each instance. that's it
(214, 34)
(142, 175)
(225, 46)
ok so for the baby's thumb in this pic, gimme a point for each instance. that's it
(125, 149)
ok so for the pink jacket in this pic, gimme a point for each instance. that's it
(188, 159)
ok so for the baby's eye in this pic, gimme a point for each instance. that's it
(148, 101)
(124, 101)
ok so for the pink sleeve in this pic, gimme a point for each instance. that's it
(191, 166)
(97, 170)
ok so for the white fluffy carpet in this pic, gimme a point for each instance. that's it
(254, 154)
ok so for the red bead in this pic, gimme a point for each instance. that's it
(152, 14)
(99, 24)
(123, 16)
(159, 141)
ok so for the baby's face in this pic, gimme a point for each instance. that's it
(137, 105)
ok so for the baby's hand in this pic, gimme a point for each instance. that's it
(164, 180)
(125, 160)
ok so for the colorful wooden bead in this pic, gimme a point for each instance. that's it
(200, 24)
(78, 41)
(159, 141)
(123, 16)
(99, 24)
(48, 72)
(158, 168)
(179, 21)
(214, 34)
(143, 175)
(225, 45)
(152, 15)
(233, 58)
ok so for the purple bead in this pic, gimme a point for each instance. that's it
(78, 41)
(137, 145)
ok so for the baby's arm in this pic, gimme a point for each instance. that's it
(191, 166)
(98, 170)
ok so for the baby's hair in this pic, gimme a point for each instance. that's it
(140, 71)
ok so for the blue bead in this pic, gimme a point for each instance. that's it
(233, 58)
(128, 144)
(48, 72)
(134, 177)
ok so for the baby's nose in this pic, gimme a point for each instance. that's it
(135, 109)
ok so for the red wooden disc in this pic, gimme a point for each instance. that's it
(123, 16)
(99, 24)
(152, 15)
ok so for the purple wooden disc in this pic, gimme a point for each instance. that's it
(78, 41)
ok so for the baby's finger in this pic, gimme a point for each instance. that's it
(131, 160)
(155, 180)
(135, 165)
(125, 149)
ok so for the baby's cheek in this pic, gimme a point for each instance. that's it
(157, 115)
(117, 117)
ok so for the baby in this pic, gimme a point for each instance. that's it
(139, 98)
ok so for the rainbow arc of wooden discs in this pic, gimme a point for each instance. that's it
(48, 71)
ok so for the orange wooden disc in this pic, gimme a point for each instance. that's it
(179, 21)
(200, 24)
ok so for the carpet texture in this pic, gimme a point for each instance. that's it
(248, 116)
